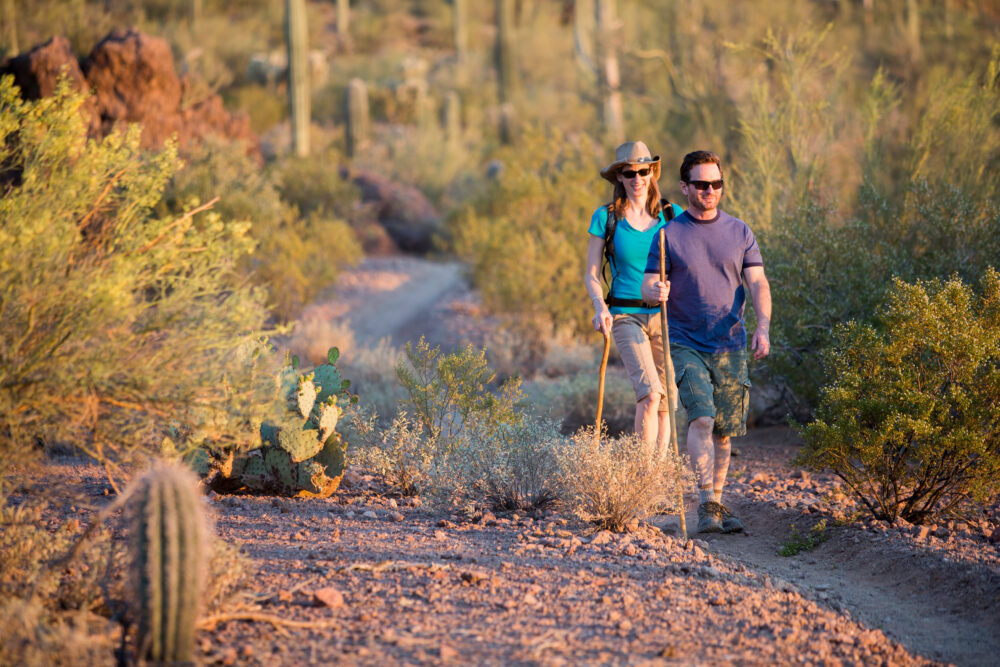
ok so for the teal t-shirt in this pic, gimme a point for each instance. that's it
(631, 249)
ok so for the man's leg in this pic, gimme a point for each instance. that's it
(723, 450)
(701, 449)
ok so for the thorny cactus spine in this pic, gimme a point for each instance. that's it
(169, 548)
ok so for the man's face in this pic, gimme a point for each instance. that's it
(707, 199)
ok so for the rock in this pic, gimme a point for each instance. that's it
(759, 478)
(474, 577)
(711, 573)
(922, 532)
(396, 516)
(995, 535)
(329, 597)
(408, 217)
(134, 80)
(603, 537)
(370, 515)
(630, 550)
(447, 653)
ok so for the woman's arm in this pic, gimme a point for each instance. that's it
(592, 282)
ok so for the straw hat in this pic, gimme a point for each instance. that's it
(631, 152)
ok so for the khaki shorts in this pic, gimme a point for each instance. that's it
(713, 385)
(640, 345)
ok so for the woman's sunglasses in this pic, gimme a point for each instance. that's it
(632, 173)
(703, 185)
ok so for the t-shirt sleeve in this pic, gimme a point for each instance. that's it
(653, 258)
(599, 222)
(751, 256)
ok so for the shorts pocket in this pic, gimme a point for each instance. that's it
(746, 400)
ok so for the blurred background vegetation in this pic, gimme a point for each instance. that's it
(860, 140)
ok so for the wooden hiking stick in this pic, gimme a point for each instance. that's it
(668, 366)
(600, 384)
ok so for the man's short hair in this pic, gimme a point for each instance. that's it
(695, 158)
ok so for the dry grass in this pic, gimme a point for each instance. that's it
(612, 482)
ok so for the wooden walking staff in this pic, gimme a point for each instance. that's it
(668, 366)
(600, 384)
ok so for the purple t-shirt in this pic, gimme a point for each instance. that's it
(704, 262)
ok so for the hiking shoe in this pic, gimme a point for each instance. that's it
(730, 522)
(710, 517)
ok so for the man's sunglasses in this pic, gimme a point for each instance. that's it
(632, 173)
(703, 185)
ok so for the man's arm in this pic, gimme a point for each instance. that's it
(760, 294)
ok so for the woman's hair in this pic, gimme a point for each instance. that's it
(620, 199)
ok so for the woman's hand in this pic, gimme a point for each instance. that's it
(602, 318)
(655, 292)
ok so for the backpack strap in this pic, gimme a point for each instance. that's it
(609, 254)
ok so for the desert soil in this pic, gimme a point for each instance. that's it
(393, 582)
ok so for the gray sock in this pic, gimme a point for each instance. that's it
(706, 496)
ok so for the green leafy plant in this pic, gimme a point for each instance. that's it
(114, 321)
(448, 392)
(910, 418)
(798, 542)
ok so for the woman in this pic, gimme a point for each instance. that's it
(635, 211)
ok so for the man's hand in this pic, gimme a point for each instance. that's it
(655, 291)
(761, 344)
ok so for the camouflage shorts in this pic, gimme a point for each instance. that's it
(713, 385)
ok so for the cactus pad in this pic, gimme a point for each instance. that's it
(283, 475)
(300, 445)
(306, 396)
(329, 415)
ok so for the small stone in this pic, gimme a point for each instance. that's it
(630, 550)
(228, 656)
(711, 573)
(329, 597)
(396, 516)
(392, 503)
(602, 537)
(474, 576)
(923, 532)
(370, 515)
(447, 653)
(625, 625)
(444, 523)
(530, 600)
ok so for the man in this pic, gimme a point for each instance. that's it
(709, 255)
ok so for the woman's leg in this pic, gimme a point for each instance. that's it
(647, 421)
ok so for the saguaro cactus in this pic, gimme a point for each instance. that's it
(608, 30)
(357, 116)
(453, 119)
(297, 38)
(343, 17)
(506, 66)
(460, 17)
(169, 549)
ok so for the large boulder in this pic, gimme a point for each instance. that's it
(408, 217)
(133, 80)
(37, 72)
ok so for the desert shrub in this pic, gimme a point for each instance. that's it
(297, 255)
(910, 418)
(513, 467)
(404, 453)
(113, 320)
(926, 210)
(449, 392)
(524, 234)
(612, 481)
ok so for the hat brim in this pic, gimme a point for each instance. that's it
(610, 173)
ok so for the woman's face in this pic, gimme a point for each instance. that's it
(635, 178)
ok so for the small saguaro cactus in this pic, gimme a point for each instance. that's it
(460, 17)
(169, 556)
(297, 39)
(453, 119)
(505, 57)
(357, 116)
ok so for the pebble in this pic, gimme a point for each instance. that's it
(602, 537)
(370, 515)
(329, 597)
(396, 516)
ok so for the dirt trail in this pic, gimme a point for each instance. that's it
(938, 595)
(940, 598)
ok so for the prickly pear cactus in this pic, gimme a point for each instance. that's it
(300, 452)
(169, 556)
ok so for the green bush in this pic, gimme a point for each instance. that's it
(298, 255)
(910, 419)
(524, 235)
(449, 394)
(113, 320)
